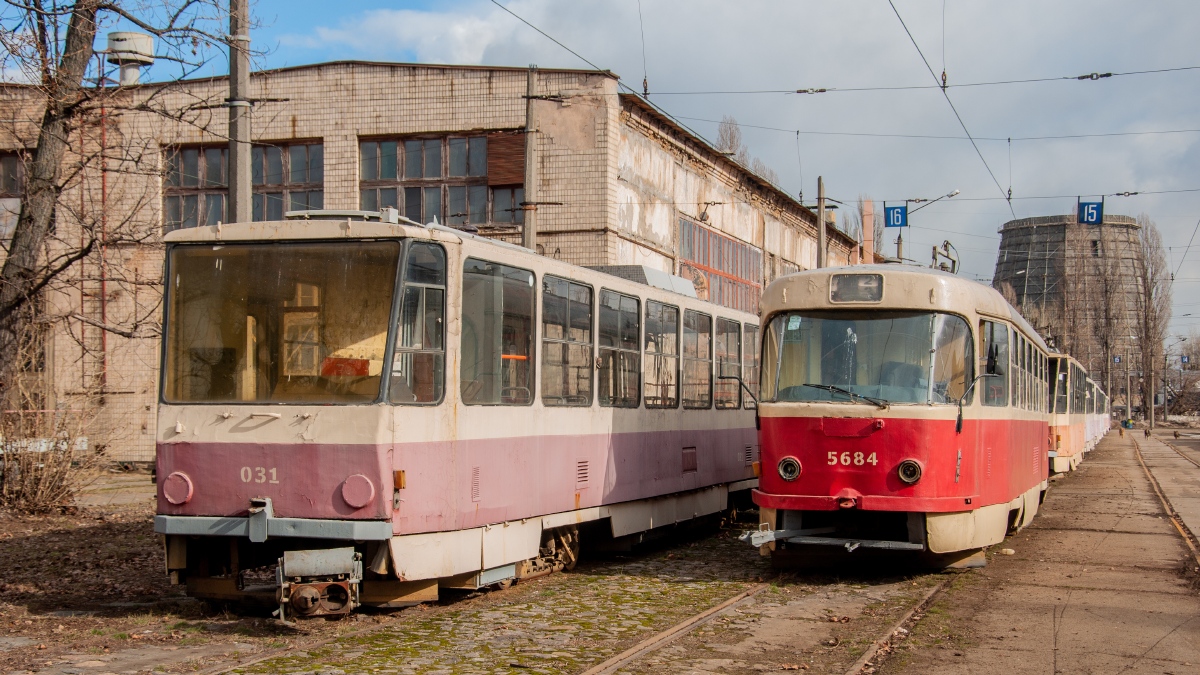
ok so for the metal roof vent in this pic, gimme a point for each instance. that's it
(130, 51)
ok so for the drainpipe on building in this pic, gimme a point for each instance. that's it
(820, 221)
(529, 232)
(239, 112)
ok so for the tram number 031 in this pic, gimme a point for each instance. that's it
(259, 474)
(847, 458)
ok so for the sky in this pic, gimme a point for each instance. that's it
(688, 50)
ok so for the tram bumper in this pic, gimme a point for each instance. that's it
(320, 582)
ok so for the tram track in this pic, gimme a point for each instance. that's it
(1179, 452)
(1188, 537)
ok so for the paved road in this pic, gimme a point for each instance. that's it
(1101, 582)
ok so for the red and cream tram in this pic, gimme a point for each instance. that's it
(371, 410)
(901, 408)
(1080, 415)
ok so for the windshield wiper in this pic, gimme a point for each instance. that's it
(857, 398)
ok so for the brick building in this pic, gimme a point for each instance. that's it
(613, 182)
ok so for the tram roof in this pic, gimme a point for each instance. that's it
(905, 287)
(328, 228)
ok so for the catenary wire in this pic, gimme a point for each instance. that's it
(868, 134)
(1188, 248)
(946, 95)
(1091, 77)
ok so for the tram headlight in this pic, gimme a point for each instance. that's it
(909, 471)
(789, 468)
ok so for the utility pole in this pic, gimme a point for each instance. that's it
(529, 231)
(1128, 389)
(240, 190)
(820, 221)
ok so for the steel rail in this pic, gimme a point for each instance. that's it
(1178, 451)
(659, 640)
(1172, 515)
(887, 639)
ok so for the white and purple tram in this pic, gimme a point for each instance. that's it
(904, 408)
(372, 410)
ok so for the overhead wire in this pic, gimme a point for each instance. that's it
(942, 137)
(645, 74)
(1186, 249)
(946, 95)
(1087, 77)
(620, 84)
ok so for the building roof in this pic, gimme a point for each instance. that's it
(1065, 219)
(719, 157)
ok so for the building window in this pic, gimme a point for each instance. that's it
(12, 183)
(284, 178)
(725, 270)
(287, 178)
(196, 188)
(1095, 248)
(459, 180)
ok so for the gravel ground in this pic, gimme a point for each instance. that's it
(85, 592)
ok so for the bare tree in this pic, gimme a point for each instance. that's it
(730, 142)
(729, 136)
(50, 50)
(83, 219)
(1154, 305)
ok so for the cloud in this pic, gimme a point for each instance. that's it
(715, 45)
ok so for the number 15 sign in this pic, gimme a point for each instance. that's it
(1091, 213)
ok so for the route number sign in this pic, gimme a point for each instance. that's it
(1116, 359)
(895, 216)
(1185, 359)
(1091, 213)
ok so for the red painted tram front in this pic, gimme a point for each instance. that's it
(901, 408)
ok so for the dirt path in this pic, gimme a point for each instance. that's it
(1101, 582)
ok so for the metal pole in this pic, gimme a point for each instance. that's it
(820, 221)
(529, 231)
(1128, 389)
(240, 189)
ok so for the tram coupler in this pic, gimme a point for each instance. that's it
(765, 535)
(324, 582)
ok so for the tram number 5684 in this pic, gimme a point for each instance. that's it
(847, 458)
(259, 474)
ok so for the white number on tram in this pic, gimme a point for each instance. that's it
(846, 459)
(259, 474)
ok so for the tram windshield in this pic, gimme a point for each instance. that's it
(278, 322)
(897, 357)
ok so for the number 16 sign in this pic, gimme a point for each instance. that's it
(895, 216)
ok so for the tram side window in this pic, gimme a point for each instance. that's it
(418, 367)
(1015, 380)
(661, 379)
(566, 342)
(697, 360)
(750, 359)
(727, 393)
(994, 358)
(620, 356)
(497, 334)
